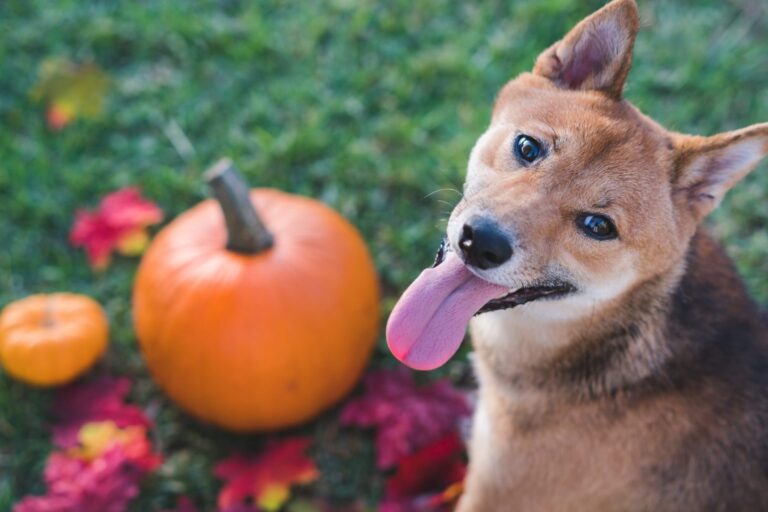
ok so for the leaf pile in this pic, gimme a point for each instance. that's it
(417, 431)
(104, 451)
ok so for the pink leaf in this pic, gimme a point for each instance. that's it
(99, 399)
(407, 417)
(125, 210)
(119, 221)
(107, 451)
(106, 484)
(91, 231)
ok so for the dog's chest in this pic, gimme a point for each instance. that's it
(540, 459)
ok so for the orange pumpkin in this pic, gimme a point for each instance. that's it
(48, 340)
(252, 329)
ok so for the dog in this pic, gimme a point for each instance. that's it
(621, 364)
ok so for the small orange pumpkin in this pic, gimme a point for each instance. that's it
(252, 329)
(47, 340)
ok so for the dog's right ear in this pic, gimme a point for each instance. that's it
(597, 53)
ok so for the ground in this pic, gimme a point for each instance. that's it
(369, 106)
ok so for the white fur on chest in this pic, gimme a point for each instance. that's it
(519, 337)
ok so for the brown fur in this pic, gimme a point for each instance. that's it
(647, 390)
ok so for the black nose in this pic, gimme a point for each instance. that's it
(484, 245)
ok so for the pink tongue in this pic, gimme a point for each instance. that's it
(428, 323)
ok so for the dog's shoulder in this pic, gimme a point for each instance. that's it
(714, 320)
(719, 387)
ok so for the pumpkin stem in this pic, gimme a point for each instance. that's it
(246, 232)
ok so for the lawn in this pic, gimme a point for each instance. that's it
(371, 107)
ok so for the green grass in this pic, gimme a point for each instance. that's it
(368, 106)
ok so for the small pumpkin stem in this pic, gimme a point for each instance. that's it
(246, 232)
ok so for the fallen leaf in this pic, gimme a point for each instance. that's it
(429, 479)
(105, 484)
(70, 91)
(99, 399)
(119, 223)
(126, 211)
(105, 450)
(133, 244)
(91, 231)
(97, 438)
(407, 417)
(267, 478)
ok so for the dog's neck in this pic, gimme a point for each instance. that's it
(633, 344)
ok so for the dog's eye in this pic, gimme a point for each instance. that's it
(527, 148)
(598, 227)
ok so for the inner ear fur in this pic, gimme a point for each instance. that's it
(597, 53)
(707, 167)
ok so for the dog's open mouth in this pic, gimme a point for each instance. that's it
(528, 294)
(551, 290)
(428, 323)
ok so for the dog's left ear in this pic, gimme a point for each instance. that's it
(597, 53)
(707, 167)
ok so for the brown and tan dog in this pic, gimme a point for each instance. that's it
(633, 375)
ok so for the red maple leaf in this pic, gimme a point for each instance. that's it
(97, 438)
(99, 399)
(92, 232)
(407, 417)
(119, 223)
(429, 479)
(265, 479)
(105, 450)
(105, 484)
(125, 209)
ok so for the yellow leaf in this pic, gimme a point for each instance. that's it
(96, 437)
(79, 90)
(273, 497)
(133, 243)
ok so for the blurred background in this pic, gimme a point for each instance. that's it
(371, 107)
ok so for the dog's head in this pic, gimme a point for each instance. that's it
(572, 199)
(572, 194)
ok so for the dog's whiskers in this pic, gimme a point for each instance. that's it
(459, 193)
